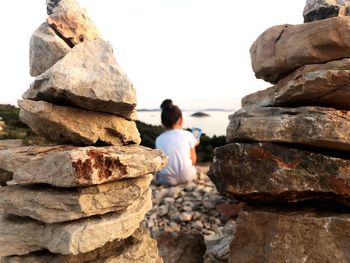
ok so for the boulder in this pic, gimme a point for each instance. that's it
(71, 21)
(77, 126)
(46, 48)
(54, 205)
(284, 48)
(322, 9)
(273, 235)
(68, 166)
(20, 236)
(139, 248)
(181, 247)
(310, 126)
(269, 173)
(326, 85)
(87, 77)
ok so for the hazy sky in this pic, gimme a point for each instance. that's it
(193, 51)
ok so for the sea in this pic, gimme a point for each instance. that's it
(214, 124)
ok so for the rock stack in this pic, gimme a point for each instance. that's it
(288, 156)
(82, 201)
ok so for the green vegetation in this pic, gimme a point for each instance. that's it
(16, 129)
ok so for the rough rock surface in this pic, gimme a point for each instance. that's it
(270, 173)
(325, 85)
(139, 248)
(5, 144)
(77, 126)
(284, 48)
(20, 236)
(6, 176)
(87, 77)
(181, 247)
(274, 236)
(71, 21)
(310, 126)
(195, 207)
(53, 205)
(322, 9)
(46, 48)
(68, 166)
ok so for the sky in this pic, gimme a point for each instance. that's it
(195, 52)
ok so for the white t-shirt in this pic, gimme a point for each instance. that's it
(177, 145)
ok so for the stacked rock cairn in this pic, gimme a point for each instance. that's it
(288, 157)
(83, 200)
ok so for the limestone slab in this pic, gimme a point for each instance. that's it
(284, 48)
(87, 77)
(54, 205)
(274, 236)
(326, 85)
(269, 173)
(77, 126)
(20, 236)
(68, 166)
(71, 21)
(139, 248)
(46, 48)
(309, 126)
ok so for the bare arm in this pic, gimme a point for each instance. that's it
(193, 155)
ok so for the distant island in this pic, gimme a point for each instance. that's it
(200, 115)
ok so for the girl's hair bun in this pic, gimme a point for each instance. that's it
(167, 104)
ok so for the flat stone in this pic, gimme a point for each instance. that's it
(284, 48)
(20, 236)
(87, 77)
(322, 9)
(5, 144)
(181, 247)
(46, 48)
(310, 126)
(270, 235)
(6, 176)
(68, 166)
(139, 248)
(326, 85)
(54, 205)
(77, 126)
(265, 173)
(71, 21)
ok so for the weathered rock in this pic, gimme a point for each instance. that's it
(87, 77)
(263, 173)
(77, 126)
(46, 48)
(67, 166)
(322, 9)
(274, 236)
(6, 176)
(5, 144)
(53, 205)
(325, 85)
(282, 49)
(181, 247)
(71, 21)
(139, 248)
(311, 126)
(20, 236)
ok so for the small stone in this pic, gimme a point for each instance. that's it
(162, 210)
(185, 217)
(198, 225)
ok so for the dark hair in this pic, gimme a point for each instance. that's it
(170, 114)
